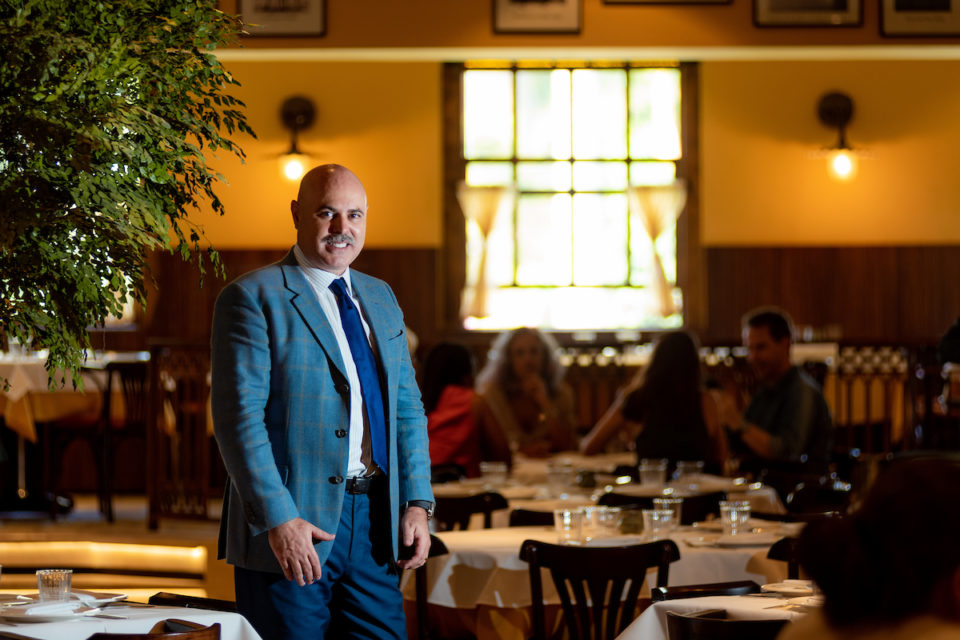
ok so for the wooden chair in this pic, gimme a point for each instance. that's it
(530, 518)
(452, 472)
(164, 598)
(825, 495)
(714, 625)
(737, 588)
(614, 499)
(437, 548)
(786, 550)
(590, 582)
(455, 512)
(171, 629)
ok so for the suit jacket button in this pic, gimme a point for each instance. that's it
(335, 479)
(340, 433)
(343, 388)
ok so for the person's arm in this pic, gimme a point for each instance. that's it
(240, 383)
(494, 442)
(558, 415)
(711, 418)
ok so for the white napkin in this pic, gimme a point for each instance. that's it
(51, 608)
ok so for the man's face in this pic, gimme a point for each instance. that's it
(331, 219)
(769, 358)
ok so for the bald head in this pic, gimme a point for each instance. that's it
(330, 214)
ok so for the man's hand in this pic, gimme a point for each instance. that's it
(415, 533)
(292, 544)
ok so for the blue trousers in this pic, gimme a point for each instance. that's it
(357, 595)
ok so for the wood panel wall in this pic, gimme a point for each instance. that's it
(895, 295)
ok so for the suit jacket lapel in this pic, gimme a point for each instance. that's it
(304, 300)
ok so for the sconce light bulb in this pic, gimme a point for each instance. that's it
(843, 164)
(293, 168)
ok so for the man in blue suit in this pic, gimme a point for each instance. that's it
(321, 427)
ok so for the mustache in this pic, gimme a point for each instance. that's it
(336, 238)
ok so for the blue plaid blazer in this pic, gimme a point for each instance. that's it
(279, 396)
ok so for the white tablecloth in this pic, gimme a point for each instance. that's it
(652, 623)
(233, 626)
(483, 567)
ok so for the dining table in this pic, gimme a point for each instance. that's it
(652, 623)
(115, 617)
(481, 586)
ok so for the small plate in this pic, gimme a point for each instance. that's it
(791, 588)
(747, 540)
(19, 614)
(86, 597)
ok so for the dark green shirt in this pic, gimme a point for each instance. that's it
(795, 414)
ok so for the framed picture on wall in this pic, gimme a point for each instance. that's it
(920, 17)
(283, 17)
(536, 16)
(667, 1)
(807, 13)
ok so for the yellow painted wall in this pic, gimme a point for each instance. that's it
(761, 185)
(380, 119)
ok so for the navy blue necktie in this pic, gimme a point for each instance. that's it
(366, 370)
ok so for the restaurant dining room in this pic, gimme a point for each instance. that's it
(655, 334)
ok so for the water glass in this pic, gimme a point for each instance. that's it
(569, 525)
(674, 504)
(54, 584)
(653, 472)
(559, 476)
(494, 473)
(608, 521)
(734, 516)
(687, 468)
(657, 523)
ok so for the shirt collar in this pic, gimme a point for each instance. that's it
(322, 277)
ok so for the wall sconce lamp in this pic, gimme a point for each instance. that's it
(835, 110)
(297, 113)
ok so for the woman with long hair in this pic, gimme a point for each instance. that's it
(522, 384)
(667, 408)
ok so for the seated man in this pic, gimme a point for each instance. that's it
(787, 418)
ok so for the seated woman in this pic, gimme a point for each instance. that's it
(667, 408)
(522, 383)
(460, 427)
(892, 569)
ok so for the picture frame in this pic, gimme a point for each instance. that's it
(536, 16)
(283, 17)
(920, 18)
(667, 2)
(808, 13)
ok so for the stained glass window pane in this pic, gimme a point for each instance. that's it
(486, 174)
(599, 176)
(599, 239)
(652, 173)
(655, 113)
(543, 240)
(543, 176)
(487, 114)
(543, 114)
(599, 113)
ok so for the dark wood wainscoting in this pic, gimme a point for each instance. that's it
(180, 309)
(885, 295)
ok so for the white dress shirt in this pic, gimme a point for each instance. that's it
(360, 460)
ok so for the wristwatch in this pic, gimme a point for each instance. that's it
(426, 505)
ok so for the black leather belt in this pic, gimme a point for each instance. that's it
(360, 484)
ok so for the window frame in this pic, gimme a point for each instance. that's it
(452, 256)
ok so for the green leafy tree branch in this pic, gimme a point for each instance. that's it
(108, 112)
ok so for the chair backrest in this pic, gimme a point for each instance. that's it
(598, 586)
(164, 598)
(450, 472)
(613, 499)
(737, 588)
(531, 518)
(819, 497)
(437, 548)
(133, 384)
(696, 508)
(455, 512)
(714, 625)
(786, 549)
(172, 629)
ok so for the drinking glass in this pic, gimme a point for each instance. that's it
(734, 516)
(608, 521)
(674, 504)
(657, 523)
(569, 525)
(559, 474)
(653, 472)
(494, 474)
(54, 584)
